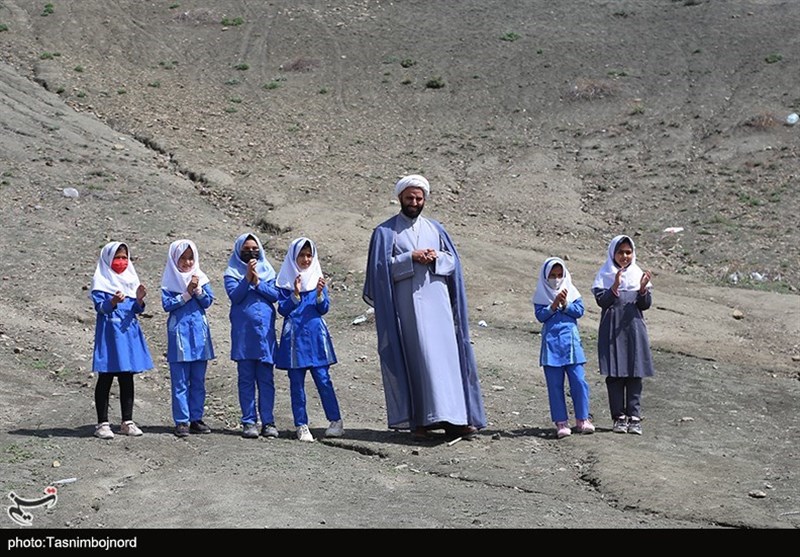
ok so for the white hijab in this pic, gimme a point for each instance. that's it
(545, 294)
(106, 280)
(631, 278)
(173, 280)
(289, 269)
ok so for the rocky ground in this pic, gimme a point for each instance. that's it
(544, 128)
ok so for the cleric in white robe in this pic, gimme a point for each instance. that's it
(415, 283)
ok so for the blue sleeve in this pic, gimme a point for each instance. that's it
(575, 309)
(206, 298)
(286, 302)
(236, 288)
(543, 312)
(323, 305)
(268, 290)
(171, 301)
(102, 302)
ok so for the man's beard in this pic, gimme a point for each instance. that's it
(411, 212)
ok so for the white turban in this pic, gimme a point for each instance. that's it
(412, 181)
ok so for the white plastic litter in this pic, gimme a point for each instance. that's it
(71, 192)
(673, 229)
(363, 317)
(65, 481)
(792, 119)
(482, 323)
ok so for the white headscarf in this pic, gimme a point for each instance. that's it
(290, 270)
(412, 180)
(173, 280)
(544, 293)
(631, 278)
(106, 280)
(237, 268)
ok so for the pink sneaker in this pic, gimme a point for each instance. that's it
(563, 430)
(584, 426)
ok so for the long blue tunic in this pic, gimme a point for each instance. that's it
(390, 278)
(119, 344)
(188, 331)
(252, 317)
(561, 342)
(305, 338)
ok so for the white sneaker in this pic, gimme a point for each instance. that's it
(130, 428)
(303, 434)
(103, 431)
(336, 429)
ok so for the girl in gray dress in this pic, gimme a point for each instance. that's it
(623, 291)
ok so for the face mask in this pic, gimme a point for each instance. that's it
(555, 284)
(248, 255)
(119, 265)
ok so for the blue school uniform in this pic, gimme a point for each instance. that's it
(189, 347)
(253, 339)
(119, 344)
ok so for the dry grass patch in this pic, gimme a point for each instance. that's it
(591, 89)
(301, 64)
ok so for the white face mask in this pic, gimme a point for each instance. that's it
(555, 284)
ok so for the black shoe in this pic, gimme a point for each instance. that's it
(182, 430)
(199, 427)
(250, 431)
(269, 430)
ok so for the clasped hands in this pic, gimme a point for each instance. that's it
(423, 256)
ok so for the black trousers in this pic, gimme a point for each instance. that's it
(102, 391)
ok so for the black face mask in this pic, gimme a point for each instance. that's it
(248, 255)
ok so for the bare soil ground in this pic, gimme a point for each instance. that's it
(545, 128)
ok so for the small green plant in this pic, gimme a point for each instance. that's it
(231, 110)
(46, 56)
(617, 73)
(323, 90)
(121, 91)
(510, 37)
(232, 82)
(407, 62)
(272, 85)
(154, 84)
(48, 9)
(236, 100)
(435, 83)
(232, 21)
(3, 27)
(406, 81)
(78, 69)
(773, 57)
(81, 94)
(168, 65)
(637, 109)
(173, 6)
(242, 66)
(59, 90)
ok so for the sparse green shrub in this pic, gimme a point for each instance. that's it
(406, 81)
(81, 94)
(173, 6)
(407, 62)
(773, 57)
(232, 21)
(59, 90)
(232, 82)
(78, 69)
(242, 66)
(510, 37)
(272, 85)
(48, 9)
(168, 65)
(154, 84)
(435, 83)
(323, 90)
(3, 27)
(231, 109)
(46, 56)
(121, 91)
(236, 100)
